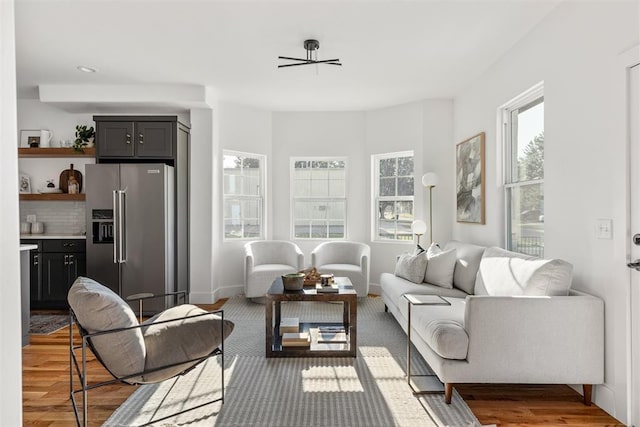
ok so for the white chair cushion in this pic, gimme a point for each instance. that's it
(263, 276)
(175, 342)
(411, 267)
(506, 273)
(98, 308)
(440, 266)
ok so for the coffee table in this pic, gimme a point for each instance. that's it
(276, 295)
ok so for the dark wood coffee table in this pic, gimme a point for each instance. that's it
(276, 295)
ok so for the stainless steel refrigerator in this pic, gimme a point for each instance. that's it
(130, 229)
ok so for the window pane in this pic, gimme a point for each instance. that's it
(405, 186)
(528, 144)
(242, 213)
(251, 209)
(251, 229)
(336, 188)
(302, 230)
(319, 188)
(526, 212)
(388, 167)
(232, 230)
(336, 230)
(251, 185)
(405, 166)
(387, 187)
(319, 230)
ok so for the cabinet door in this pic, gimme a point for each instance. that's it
(115, 139)
(154, 139)
(54, 276)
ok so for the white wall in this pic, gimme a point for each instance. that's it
(575, 51)
(10, 330)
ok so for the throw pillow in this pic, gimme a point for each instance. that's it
(411, 267)
(440, 266)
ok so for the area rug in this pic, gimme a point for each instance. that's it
(45, 324)
(369, 390)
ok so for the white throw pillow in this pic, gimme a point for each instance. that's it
(411, 267)
(440, 266)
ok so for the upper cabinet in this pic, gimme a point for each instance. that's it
(136, 137)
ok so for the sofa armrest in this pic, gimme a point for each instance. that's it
(560, 335)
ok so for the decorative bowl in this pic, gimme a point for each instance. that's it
(293, 281)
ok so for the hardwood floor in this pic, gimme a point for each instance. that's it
(46, 393)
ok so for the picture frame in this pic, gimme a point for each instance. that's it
(24, 184)
(470, 194)
(28, 136)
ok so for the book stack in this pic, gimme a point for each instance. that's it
(289, 324)
(296, 339)
(332, 335)
(331, 288)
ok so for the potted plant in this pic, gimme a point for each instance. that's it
(84, 136)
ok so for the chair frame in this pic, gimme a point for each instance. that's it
(80, 367)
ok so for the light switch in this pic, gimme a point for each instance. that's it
(604, 228)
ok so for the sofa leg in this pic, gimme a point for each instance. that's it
(586, 391)
(448, 391)
(386, 309)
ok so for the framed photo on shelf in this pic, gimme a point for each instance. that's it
(24, 183)
(29, 138)
(470, 180)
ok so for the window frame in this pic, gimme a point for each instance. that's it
(376, 198)
(534, 95)
(261, 197)
(293, 198)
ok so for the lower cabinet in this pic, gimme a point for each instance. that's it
(54, 267)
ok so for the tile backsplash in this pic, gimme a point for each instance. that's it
(58, 217)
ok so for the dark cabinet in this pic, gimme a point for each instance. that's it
(53, 269)
(139, 137)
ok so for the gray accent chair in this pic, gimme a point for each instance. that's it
(345, 259)
(168, 344)
(264, 260)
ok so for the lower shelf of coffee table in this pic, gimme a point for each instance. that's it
(315, 349)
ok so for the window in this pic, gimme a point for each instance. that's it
(393, 196)
(243, 195)
(319, 198)
(523, 134)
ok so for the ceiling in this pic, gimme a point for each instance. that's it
(392, 51)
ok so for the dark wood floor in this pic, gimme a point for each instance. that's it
(46, 394)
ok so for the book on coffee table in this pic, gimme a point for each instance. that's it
(296, 339)
(332, 337)
(323, 289)
(289, 324)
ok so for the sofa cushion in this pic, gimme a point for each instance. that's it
(411, 267)
(440, 266)
(467, 263)
(393, 287)
(441, 327)
(181, 340)
(506, 273)
(98, 308)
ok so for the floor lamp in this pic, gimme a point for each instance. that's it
(430, 180)
(418, 227)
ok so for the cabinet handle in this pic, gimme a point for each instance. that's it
(128, 138)
(35, 259)
(66, 260)
(70, 261)
(141, 138)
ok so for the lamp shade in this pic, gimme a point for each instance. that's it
(430, 179)
(418, 227)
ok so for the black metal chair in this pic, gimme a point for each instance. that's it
(171, 322)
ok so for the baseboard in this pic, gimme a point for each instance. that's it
(375, 288)
(228, 291)
(604, 397)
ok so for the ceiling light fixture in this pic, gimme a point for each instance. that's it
(86, 69)
(311, 46)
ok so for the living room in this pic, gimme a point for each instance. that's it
(583, 71)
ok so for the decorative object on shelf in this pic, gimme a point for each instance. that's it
(311, 276)
(25, 183)
(37, 228)
(45, 138)
(311, 46)
(470, 180)
(418, 227)
(430, 180)
(65, 180)
(29, 138)
(84, 137)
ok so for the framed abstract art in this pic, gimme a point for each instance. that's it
(470, 180)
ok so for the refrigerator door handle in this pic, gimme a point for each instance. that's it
(123, 227)
(116, 227)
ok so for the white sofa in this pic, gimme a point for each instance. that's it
(512, 319)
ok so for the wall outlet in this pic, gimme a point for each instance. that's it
(604, 228)
(31, 218)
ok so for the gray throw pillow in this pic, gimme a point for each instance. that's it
(411, 267)
(440, 266)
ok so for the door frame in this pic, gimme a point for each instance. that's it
(628, 60)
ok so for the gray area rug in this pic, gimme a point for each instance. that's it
(369, 390)
(45, 324)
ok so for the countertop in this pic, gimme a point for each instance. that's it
(24, 247)
(52, 236)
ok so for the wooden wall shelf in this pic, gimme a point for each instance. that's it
(56, 152)
(54, 196)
